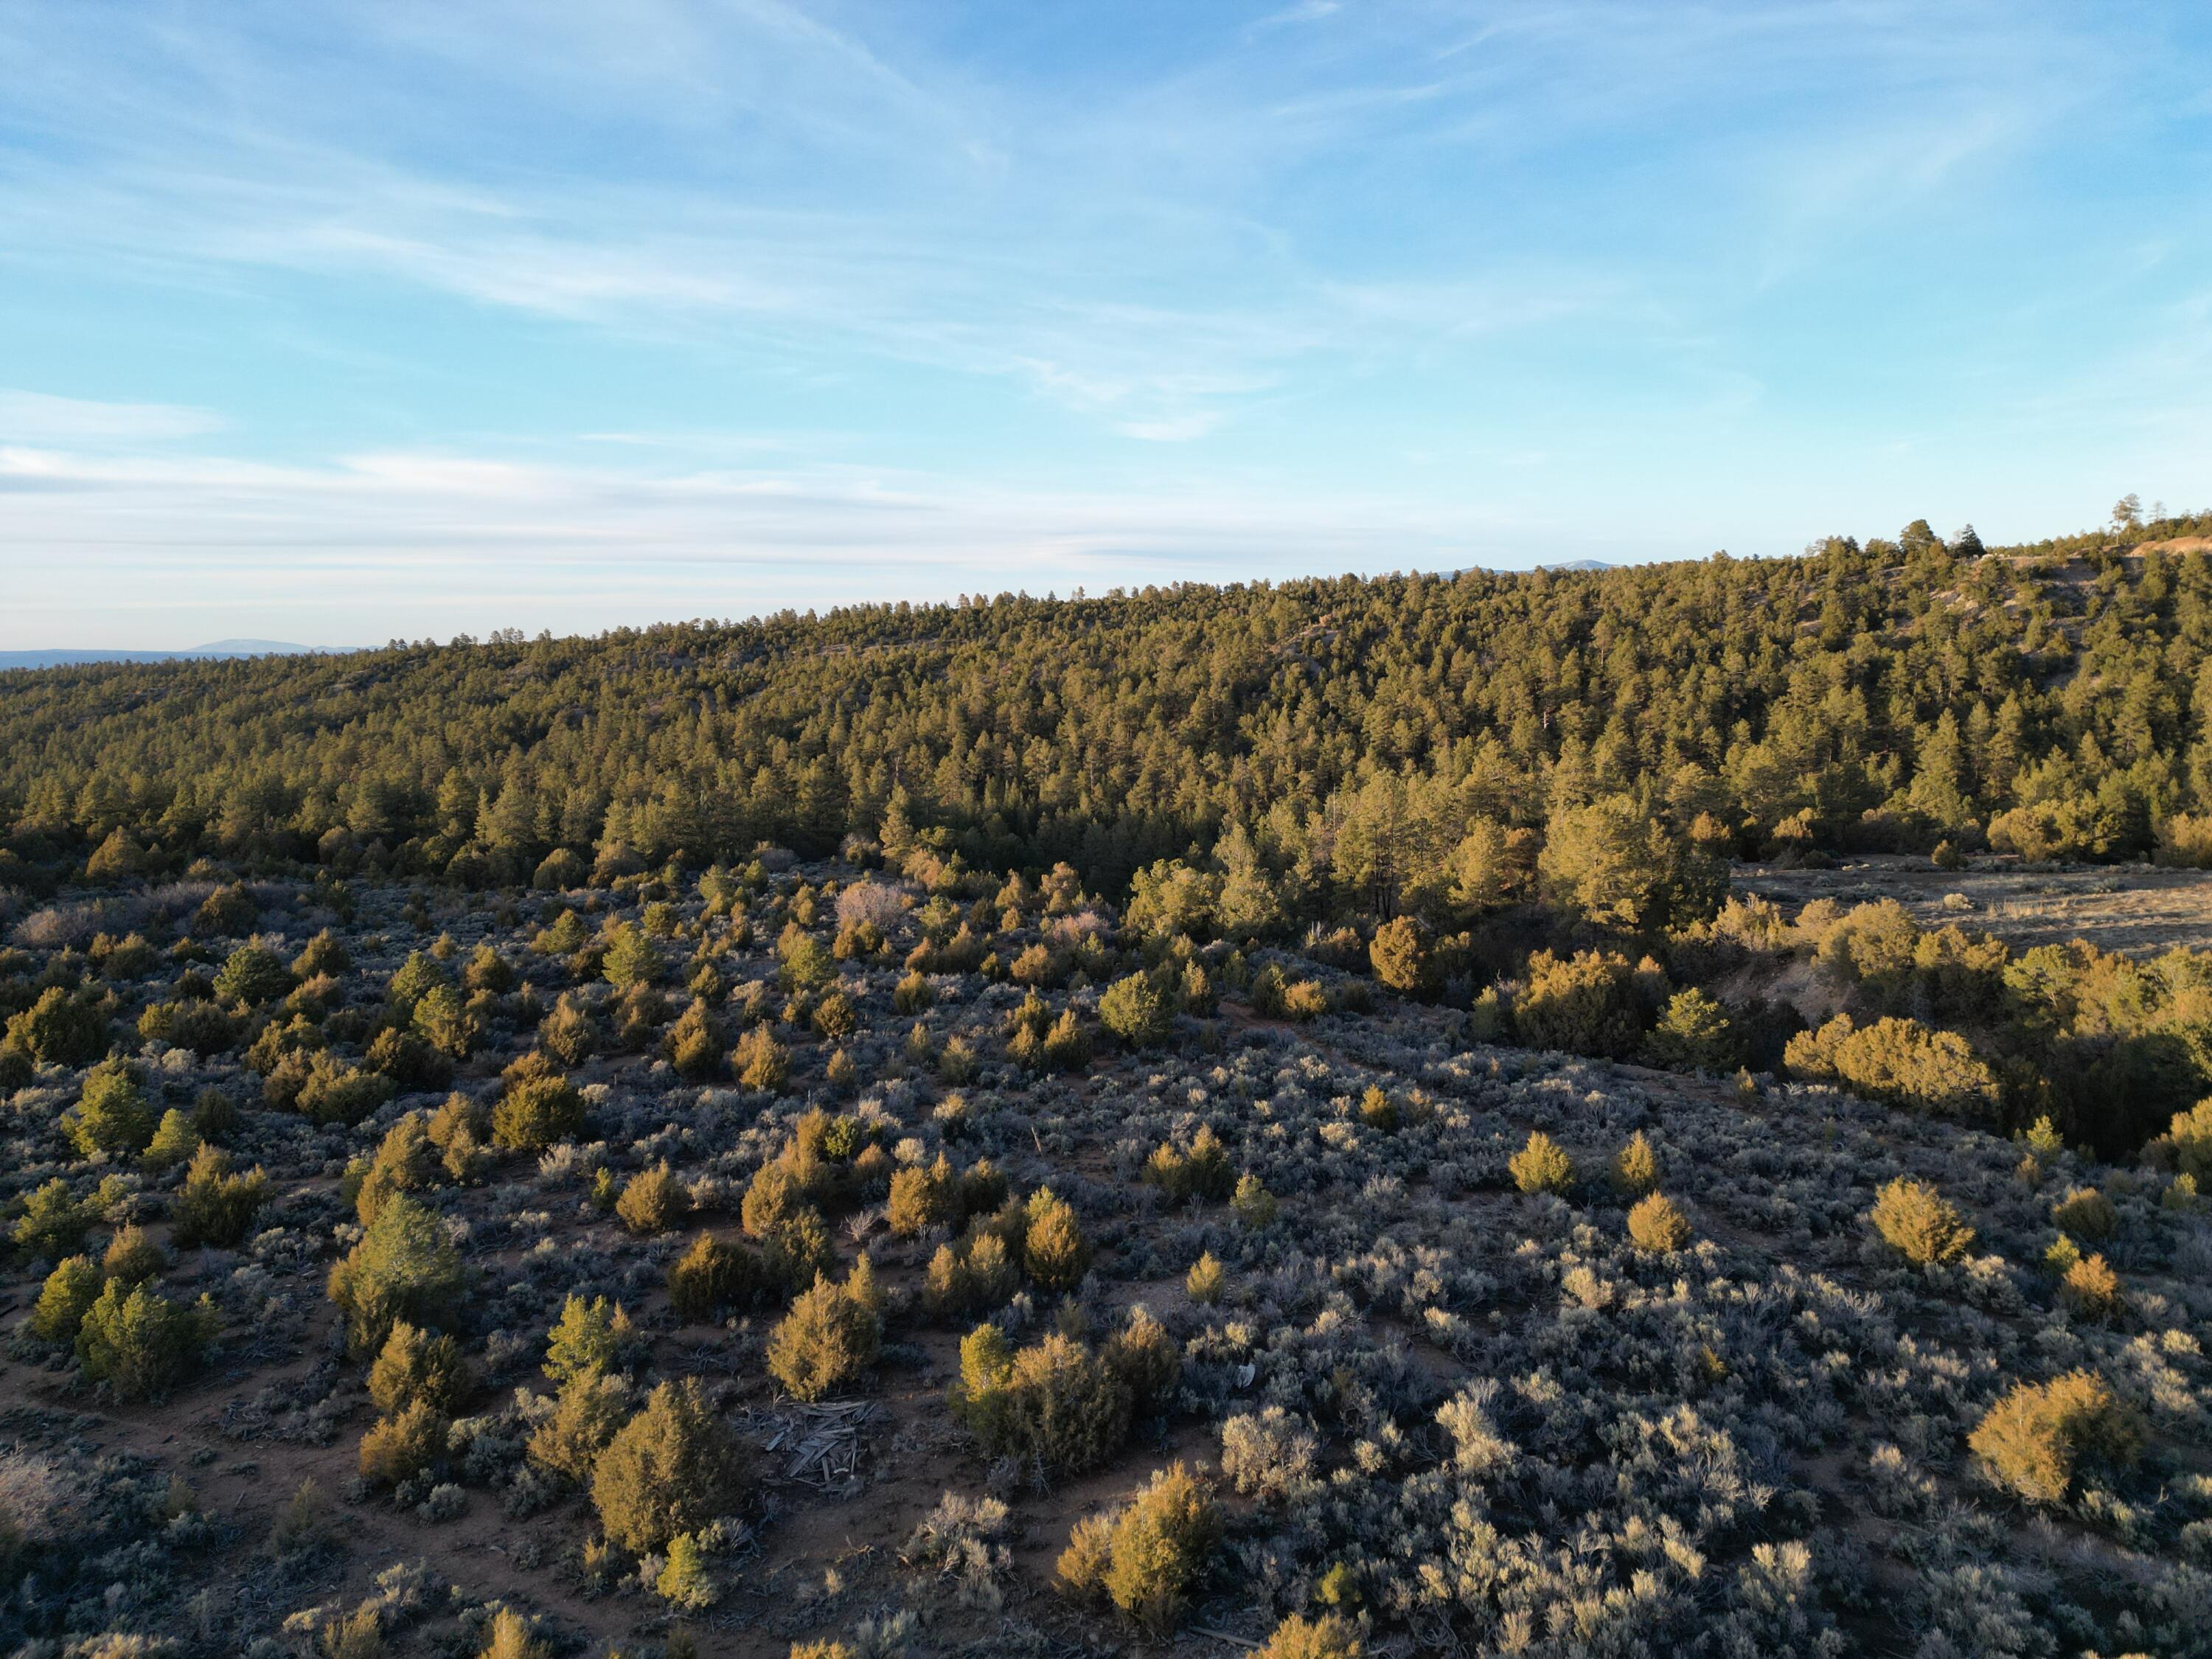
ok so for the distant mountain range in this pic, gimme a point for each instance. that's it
(196, 654)
(1578, 564)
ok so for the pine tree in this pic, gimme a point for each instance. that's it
(591, 1407)
(831, 1336)
(405, 1267)
(694, 1043)
(53, 1223)
(174, 1142)
(536, 1112)
(685, 1581)
(1329, 1637)
(215, 1206)
(671, 1469)
(1053, 1250)
(1918, 1223)
(1635, 1166)
(111, 1117)
(1693, 1035)
(2035, 1440)
(653, 1200)
(588, 1338)
(1655, 1223)
(66, 1297)
(1150, 1557)
(510, 1638)
(141, 1344)
(760, 1061)
(414, 1366)
(1135, 1010)
(1542, 1166)
(1400, 957)
(713, 1273)
(133, 1256)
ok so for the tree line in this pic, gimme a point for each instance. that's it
(1344, 735)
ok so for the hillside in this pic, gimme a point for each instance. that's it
(1648, 1111)
(1449, 1410)
(1884, 697)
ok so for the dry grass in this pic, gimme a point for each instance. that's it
(2134, 909)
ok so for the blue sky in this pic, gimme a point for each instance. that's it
(335, 322)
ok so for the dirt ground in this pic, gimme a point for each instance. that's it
(2138, 909)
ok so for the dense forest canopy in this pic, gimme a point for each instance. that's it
(2052, 700)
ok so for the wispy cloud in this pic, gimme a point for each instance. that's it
(1304, 11)
(38, 418)
(408, 543)
(1828, 192)
(203, 146)
(1174, 428)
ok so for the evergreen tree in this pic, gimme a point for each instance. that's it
(670, 1470)
(111, 1117)
(405, 1267)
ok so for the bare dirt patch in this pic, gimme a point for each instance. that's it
(2137, 909)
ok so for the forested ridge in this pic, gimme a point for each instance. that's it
(2051, 700)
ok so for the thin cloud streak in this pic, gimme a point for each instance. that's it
(388, 542)
(35, 417)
